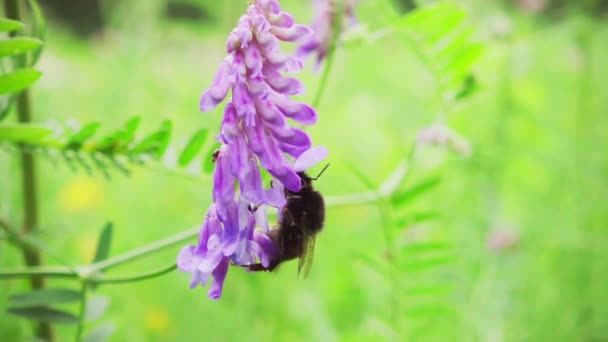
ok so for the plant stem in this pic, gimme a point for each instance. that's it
(83, 310)
(88, 270)
(40, 271)
(324, 77)
(28, 177)
(133, 278)
(143, 251)
(331, 52)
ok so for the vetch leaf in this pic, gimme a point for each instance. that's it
(460, 66)
(9, 25)
(84, 134)
(18, 45)
(369, 184)
(423, 247)
(423, 264)
(105, 240)
(101, 333)
(96, 307)
(402, 197)
(23, 132)
(427, 290)
(18, 80)
(405, 221)
(373, 262)
(44, 314)
(156, 142)
(130, 127)
(44, 297)
(192, 148)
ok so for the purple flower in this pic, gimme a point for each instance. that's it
(330, 14)
(255, 131)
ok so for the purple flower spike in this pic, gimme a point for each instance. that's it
(256, 131)
(329, 15)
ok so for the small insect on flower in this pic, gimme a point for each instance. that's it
(300, 220)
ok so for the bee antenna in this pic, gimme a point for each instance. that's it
(320, 173)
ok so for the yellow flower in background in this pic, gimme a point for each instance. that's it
(80, 194)
(156, 320)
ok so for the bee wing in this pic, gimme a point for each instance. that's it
(308, 251)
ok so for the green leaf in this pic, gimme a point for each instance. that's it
(460, 65)
(131, 127)
(84, 134)
(406, 221)
(452, 46)
(96, 307)
(45, 297)
(369, 184)
(424, 247)
(9, 25)
(427, 290)
(424, 264)
(18, 45)
(101, 333)
(371, 261)
(193, 147)
(156, 142)
(402, 197)
(208, 164)
(23, 133)
(105, 240)
(18, 80)
(468, 88)
(44, 314)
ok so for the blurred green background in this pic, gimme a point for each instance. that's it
(536, 180)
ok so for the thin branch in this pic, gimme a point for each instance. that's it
(28, 179)
(137, 277)
(331, 52)
(143, 251)
(82, 312)
(40, 271)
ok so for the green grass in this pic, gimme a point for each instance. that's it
(538, 168)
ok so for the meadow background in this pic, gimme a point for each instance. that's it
(536, 179)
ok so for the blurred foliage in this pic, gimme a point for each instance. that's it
(520, 226)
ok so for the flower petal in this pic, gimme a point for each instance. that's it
(295, 33)
(267, 248)
(219, 89)
(186, 259)
(219, 275)
(310, 158)
(300, 112)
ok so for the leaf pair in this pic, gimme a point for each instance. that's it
(447, 42)
(20, 78)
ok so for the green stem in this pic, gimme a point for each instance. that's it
(133, 278)
(329, 60)
(28, 181)
(143, 251)
(89, 270)
(83, 310)
(39, 271)
(324, 77)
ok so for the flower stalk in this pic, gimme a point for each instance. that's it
(28, 181)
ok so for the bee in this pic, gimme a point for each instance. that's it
(301, 220)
